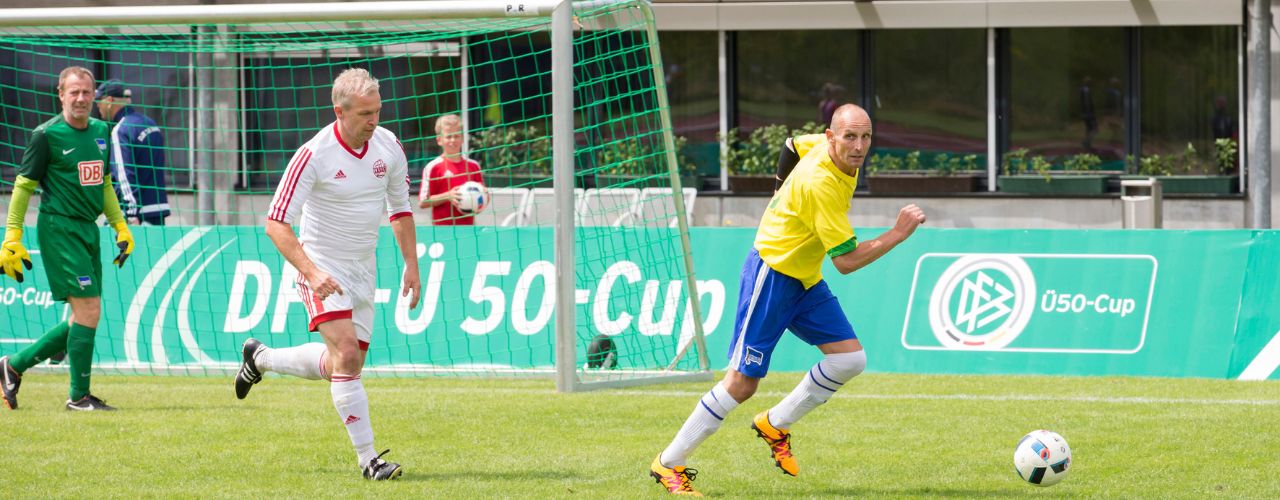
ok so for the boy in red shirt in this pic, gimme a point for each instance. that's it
(443, 176)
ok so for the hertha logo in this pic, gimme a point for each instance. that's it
(380, 168)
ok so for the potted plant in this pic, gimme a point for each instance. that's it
(638, 162)
(1187, 173)
(1037, 175)
(753, 162)
(513, 156)
(947, 173)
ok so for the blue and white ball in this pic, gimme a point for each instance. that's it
(1042, 458)
(474, 197)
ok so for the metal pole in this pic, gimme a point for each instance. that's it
(465, 97)
(562, 144)
(1259, 125)
(993, 160)
(204, 166)
(723, 77)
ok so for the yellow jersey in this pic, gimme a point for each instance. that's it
(804, 143)
(807, 218)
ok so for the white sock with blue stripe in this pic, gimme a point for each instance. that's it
(702, 423)
(822, 382)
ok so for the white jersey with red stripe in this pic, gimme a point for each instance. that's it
(341, 194)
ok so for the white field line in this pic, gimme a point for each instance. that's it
(427, 388)
(691, 395)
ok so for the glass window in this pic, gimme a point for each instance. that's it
(1189, 95)
(931, 93)
(289, 100)
(690, 63)
(794, 77)
(1067, 93)
(29, 96)
(160, 88)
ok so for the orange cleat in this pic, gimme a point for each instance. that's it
(677, 480)
(779, 441)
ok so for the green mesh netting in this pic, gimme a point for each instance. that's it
(235, 101)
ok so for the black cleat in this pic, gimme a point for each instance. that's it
(10, 380)
(381, 470)
(89, 403)
(249, 373)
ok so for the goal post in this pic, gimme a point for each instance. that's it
(585, 242)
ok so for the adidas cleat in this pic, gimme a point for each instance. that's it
(382, 470)
(248, 374)
(779, 441)
(677, 480)
(10, 380)
(89, 403)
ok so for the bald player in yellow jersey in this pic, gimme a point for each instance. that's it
(782, 289)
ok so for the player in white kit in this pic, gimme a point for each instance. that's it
(340, 184)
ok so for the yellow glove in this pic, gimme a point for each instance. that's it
(124, 241)
(13, 256)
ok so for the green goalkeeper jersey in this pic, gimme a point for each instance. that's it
(70, 165)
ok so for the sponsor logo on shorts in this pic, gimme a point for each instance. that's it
(84, 281)
(754, 357)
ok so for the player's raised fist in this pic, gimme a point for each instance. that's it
(909, 218)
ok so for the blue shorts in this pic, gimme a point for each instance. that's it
(770, 302)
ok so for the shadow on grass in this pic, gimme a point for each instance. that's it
(907, 492)
(927, 492)
(489, 476)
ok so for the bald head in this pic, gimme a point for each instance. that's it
(849, 137)
(848, 113)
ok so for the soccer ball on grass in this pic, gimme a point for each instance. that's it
(1042, 458)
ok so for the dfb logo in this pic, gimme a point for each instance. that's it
(982, 301)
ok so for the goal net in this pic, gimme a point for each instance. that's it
(588, 175)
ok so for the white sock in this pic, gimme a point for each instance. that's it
(306, 361)
(353, 408)
(702, 423)
(822, 382)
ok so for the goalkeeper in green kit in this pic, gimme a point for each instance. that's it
(66, 157)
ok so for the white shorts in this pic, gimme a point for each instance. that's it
(357, 279)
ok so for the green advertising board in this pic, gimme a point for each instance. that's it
(1101, 302)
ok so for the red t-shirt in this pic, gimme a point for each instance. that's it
(442, 175)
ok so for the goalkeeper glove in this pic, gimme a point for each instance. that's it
(13, 256)
(124, 241)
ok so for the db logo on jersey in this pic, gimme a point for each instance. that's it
(90, 173)
(380, 168)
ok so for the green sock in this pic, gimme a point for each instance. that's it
(80, 357)
(53, 342)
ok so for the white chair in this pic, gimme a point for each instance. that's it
(507, 207)
(656, 208)
(542, 208)
(606, 206)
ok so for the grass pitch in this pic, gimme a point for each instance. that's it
(883, 436)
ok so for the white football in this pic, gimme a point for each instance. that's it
(1042, 458)
(474, 197)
